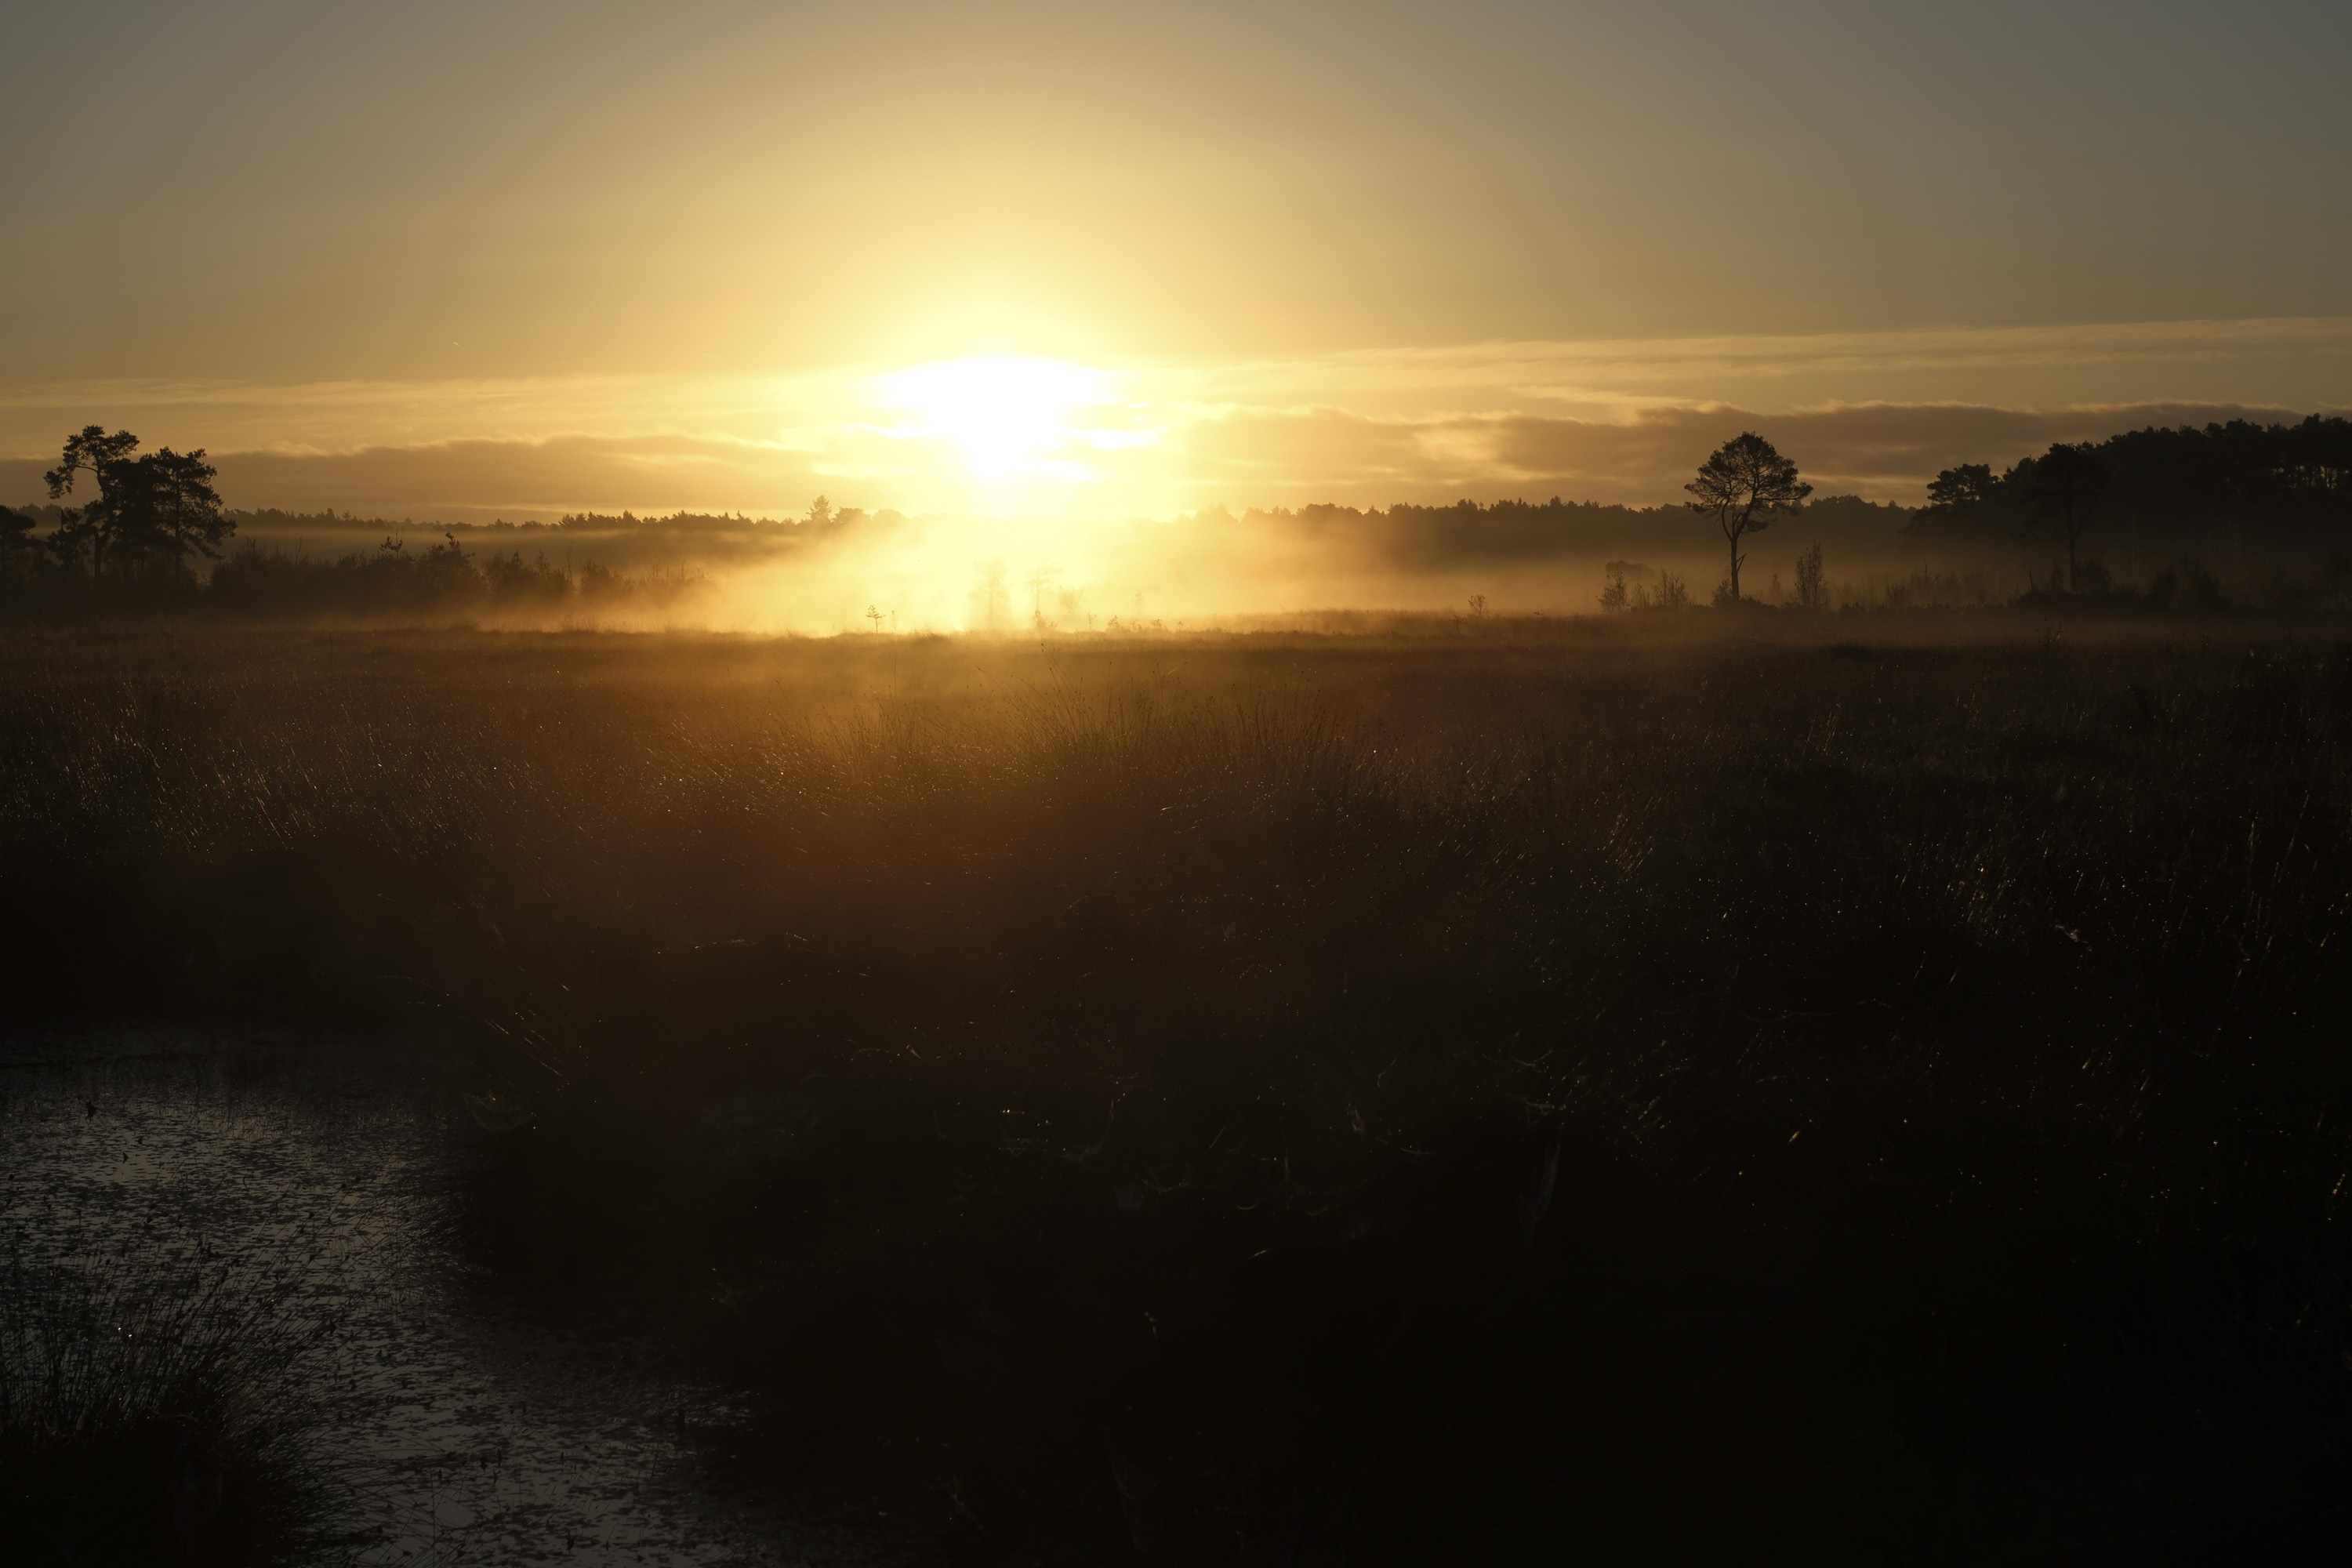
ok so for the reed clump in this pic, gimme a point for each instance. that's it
(145, 1416)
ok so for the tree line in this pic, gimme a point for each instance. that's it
(2236, 490)
(144, 518)
(2168, 506)
(145, 523)
(2181, 496)
(2228, 494)
(2237, 498)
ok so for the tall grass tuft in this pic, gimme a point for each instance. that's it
(145, 1416)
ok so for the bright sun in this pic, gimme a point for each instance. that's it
(1007, 413)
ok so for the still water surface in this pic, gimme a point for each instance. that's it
(452, 1428)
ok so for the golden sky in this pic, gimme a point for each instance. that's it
(459, 261)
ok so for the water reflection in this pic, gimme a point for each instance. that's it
(448, 1428)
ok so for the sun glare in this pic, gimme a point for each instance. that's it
(1008, 413)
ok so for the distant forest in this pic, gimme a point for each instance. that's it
(273, 577)
(152, 535)
(2262, 511)
(1431, 537)
(2230, 496)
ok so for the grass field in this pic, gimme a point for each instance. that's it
(1868, 1089)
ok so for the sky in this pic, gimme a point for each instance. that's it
(518, 258)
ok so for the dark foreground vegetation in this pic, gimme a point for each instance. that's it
(1585, 1091)
(140, 1416)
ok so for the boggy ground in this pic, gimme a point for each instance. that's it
(1868, 1090)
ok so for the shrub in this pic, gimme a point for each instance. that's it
(2186, 586)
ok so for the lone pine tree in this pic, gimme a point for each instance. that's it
(1744, 485)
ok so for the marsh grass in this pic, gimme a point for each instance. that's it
(144, 1414)
(1617, 1086)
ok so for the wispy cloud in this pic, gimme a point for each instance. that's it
(1614, 420)
(2108, 361)
(473, 480)
(1885, 451)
